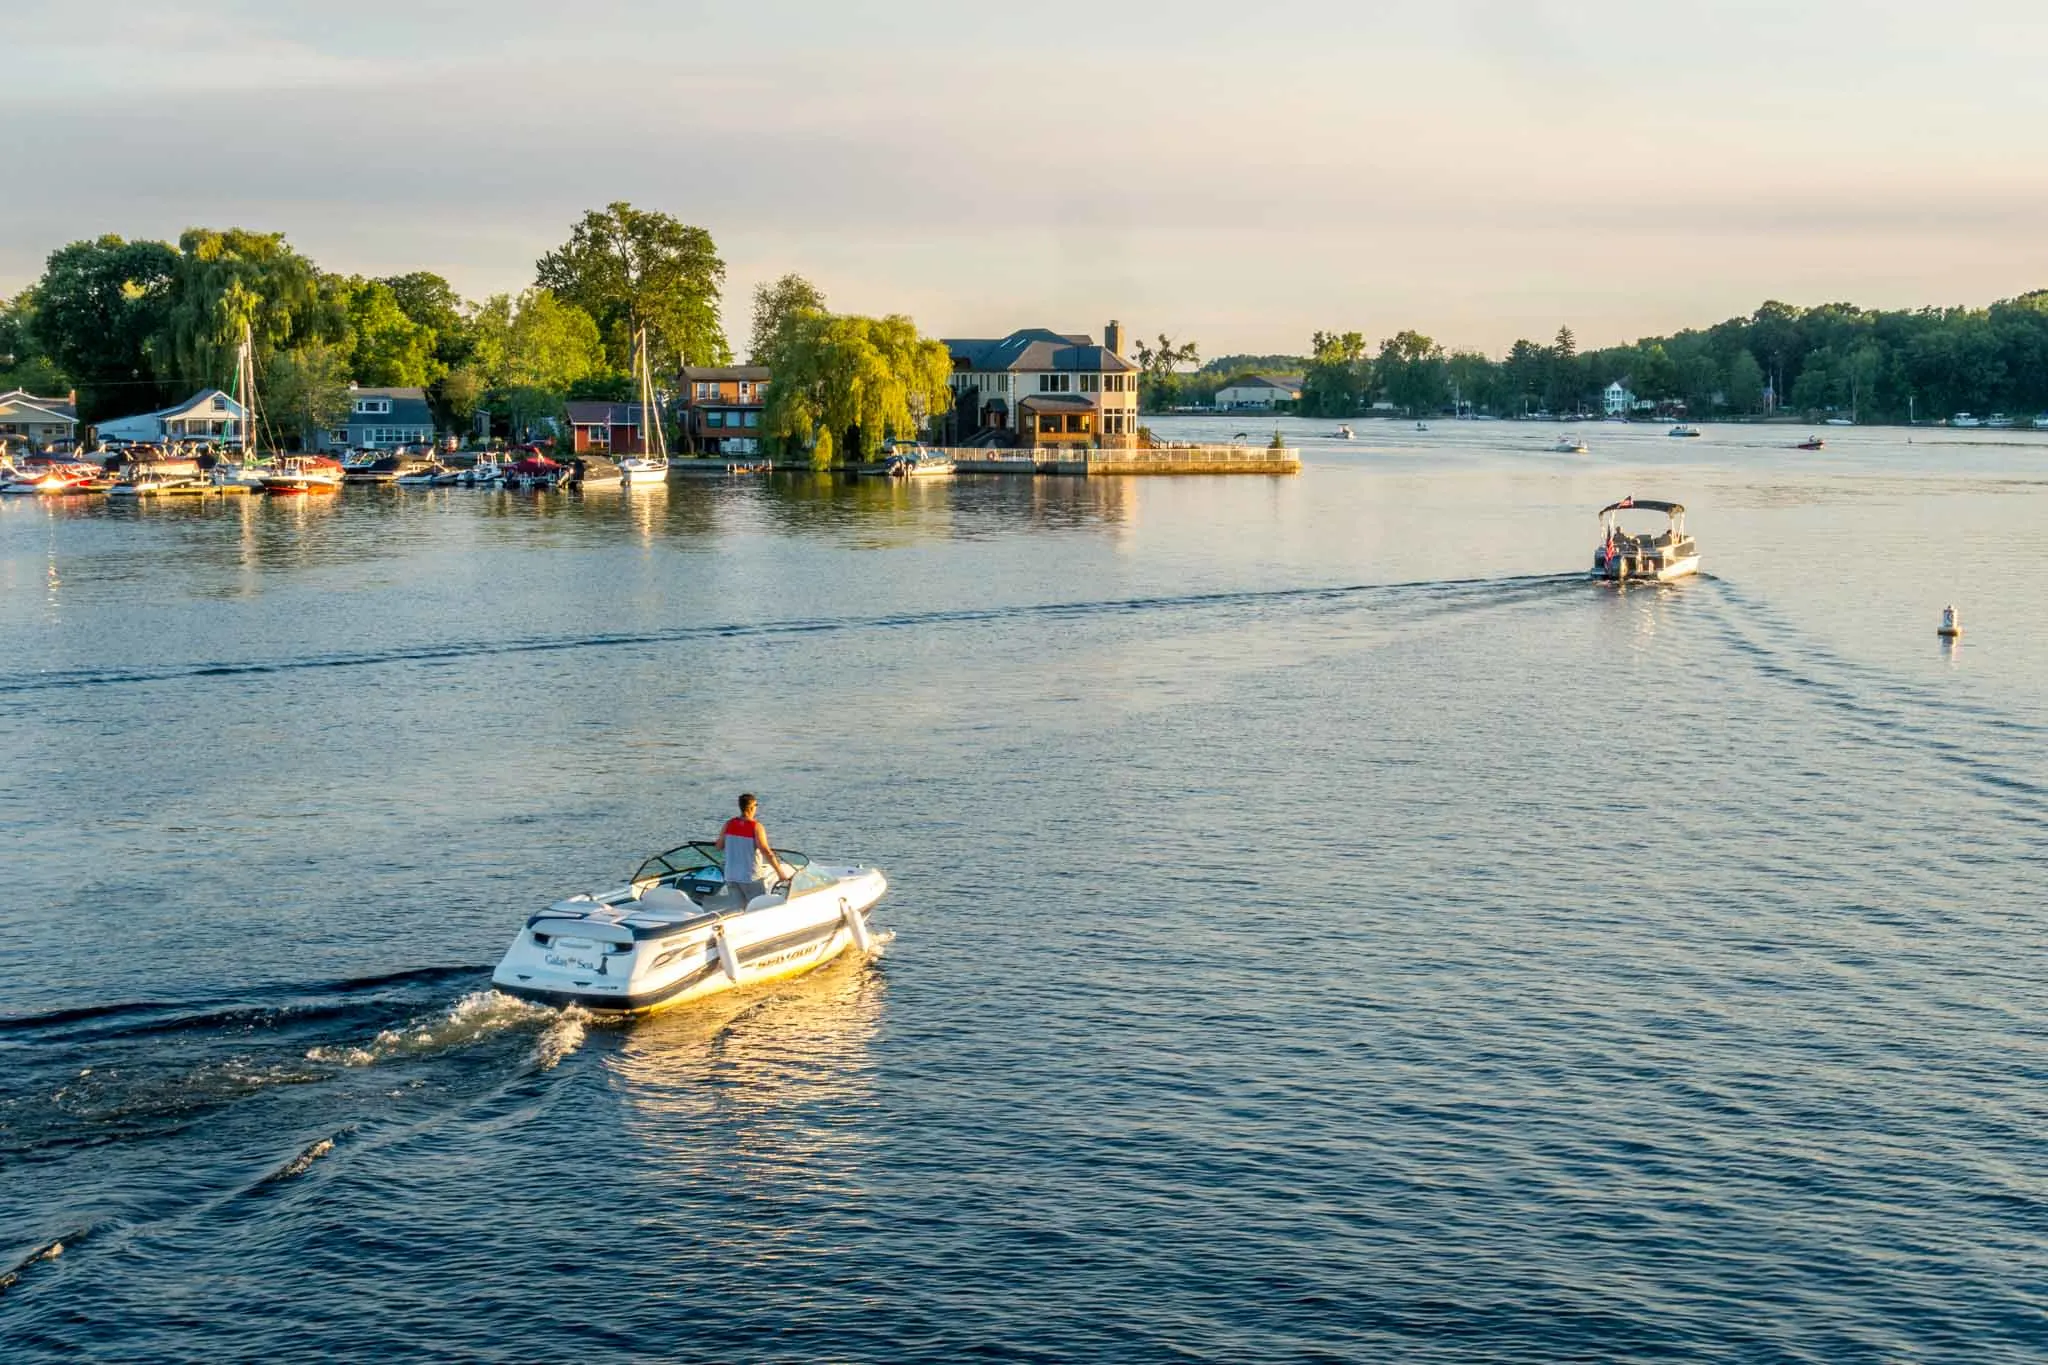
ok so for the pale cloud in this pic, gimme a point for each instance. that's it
(1479, 169)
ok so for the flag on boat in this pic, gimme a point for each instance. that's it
(1629, 501)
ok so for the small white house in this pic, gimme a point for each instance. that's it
(1619, 401)
(1261, 391)
(207, 416)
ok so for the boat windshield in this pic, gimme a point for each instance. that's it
(702, 856)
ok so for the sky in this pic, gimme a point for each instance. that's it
(1236, 174)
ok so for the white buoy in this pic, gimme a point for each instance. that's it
(857, 926)
(1951, 624)
(727, 958)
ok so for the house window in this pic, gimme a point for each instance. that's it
(753, 419)
(372, 406)
(714, 419)
(1054, 383)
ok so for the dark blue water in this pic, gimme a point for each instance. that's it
(1325, 928)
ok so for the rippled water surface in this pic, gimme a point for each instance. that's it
(1325, 926)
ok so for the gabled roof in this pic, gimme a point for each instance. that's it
(21, 401)
(1265, 381)
(205, 398)
(1065, 402)
(409, 407)
(597, 413)
(1035, 348)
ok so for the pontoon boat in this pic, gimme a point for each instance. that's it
(1657, 556)
(676, 932)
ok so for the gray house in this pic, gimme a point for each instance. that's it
(382, 419)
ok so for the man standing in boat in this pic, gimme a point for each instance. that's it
(743, 844)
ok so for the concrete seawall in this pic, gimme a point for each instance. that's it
(1164, 460)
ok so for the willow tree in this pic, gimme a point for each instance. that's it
(224, 281)
(855, 379)
(631, 268)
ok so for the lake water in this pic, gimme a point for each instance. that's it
(1325, 926)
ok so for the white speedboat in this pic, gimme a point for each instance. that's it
(1683, 430)
(1625, 556)
(1569, 445)
(1344, 433)
(304, 474)
(916, 462)
(677, 933)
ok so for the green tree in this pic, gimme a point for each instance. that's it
(776, 306)
(457, 397)
(1412, 373)
(225, 280)
(305, 391)
(432, 302)
(628, 268)
(96, 307)
(541, 343)
(1745, 383)
(857, 378)
(388, 347)
(23, 365)
(1335, 381)
(1157, 386)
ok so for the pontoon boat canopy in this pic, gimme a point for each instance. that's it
(1631, 504)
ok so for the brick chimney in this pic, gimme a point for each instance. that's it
(1113, 337)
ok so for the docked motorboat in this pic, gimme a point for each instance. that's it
(916, 462)
(1655, 556)
(676, 932)
(304, 474)
(1568, 445)
(1683, 430)
(54, 477)
(593, 471)
(426, 476)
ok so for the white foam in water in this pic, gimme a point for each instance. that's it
(301, 1163)
(475, 1017)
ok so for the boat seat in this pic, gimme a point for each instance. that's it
(666, 900)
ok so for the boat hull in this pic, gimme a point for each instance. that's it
(1622, 570)
(617, 967)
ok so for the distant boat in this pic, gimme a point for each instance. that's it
(1810, 443)
(1683, 430)
(1422, 426)
(1569, 445)
(1964, 419)
(1344, 433)
(2041, 422)
(1841, 421)
(1998, 419)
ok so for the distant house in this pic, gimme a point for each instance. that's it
(721, 408)
(597, 428)
(1041, 388)
(39, 421)
(1619, 401)
(383, 419)
(1261, 391)
(209, 415)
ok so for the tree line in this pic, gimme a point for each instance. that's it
(1832, 360)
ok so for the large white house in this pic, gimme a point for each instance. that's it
(1620, 402)
(209, 415)
(1260, 391)
(1040, 388)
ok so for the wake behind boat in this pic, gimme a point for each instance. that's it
(676, 932)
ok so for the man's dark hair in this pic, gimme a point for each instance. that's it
(747, 802)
